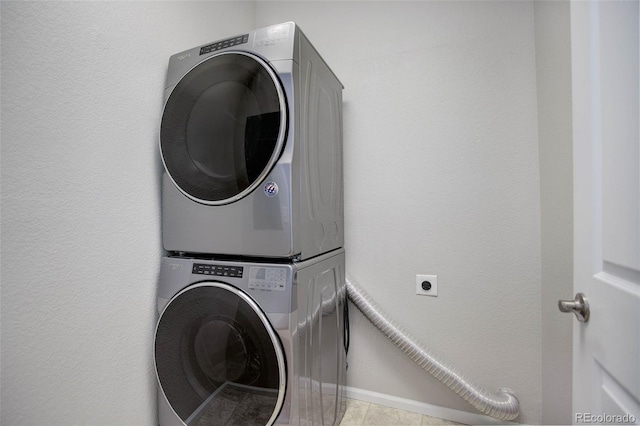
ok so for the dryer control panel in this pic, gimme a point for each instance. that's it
(223, 44)
(217, 270)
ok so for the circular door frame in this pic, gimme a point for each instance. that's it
(273, 337)
(282, 131)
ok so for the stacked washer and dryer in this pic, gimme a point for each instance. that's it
(251, 298)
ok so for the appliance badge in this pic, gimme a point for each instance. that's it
(271, 189)
(175, 266)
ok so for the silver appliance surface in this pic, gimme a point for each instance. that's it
(251, 342)
(251, 142)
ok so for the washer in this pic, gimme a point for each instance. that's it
(251, 141)
(243, 343)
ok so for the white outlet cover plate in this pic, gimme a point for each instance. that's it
(433, 279)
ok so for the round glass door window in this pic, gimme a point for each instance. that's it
(223, 128)
(218, 360)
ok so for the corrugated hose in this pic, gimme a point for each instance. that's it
(502, 405)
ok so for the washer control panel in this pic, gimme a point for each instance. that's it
(217, 270)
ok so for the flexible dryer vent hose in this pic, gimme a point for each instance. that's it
(502, 405)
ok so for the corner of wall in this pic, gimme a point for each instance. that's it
(553, 74)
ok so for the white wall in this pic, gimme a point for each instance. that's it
(441, 177)
(82, 88)
(553, 64)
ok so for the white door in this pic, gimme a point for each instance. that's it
(606, 130)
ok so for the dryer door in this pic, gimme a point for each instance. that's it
(218, 360)
(223, 127)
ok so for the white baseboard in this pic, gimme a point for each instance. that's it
(451, 414)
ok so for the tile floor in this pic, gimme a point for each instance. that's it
(360, 413)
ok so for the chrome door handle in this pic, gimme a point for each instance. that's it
(578, 306)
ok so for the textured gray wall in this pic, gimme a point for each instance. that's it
(553, 64)
(82, 86)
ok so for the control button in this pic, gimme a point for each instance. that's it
(218, 270)
(224, 44)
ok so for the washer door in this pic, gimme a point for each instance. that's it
(218, 360)
(223, 127)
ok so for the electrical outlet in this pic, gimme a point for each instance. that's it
(427, 285)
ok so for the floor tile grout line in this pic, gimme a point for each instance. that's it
(365, 414)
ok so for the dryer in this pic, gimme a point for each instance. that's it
(251, 142)
(242, 343)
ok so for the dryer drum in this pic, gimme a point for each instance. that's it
(218, 359)
(223, 127)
